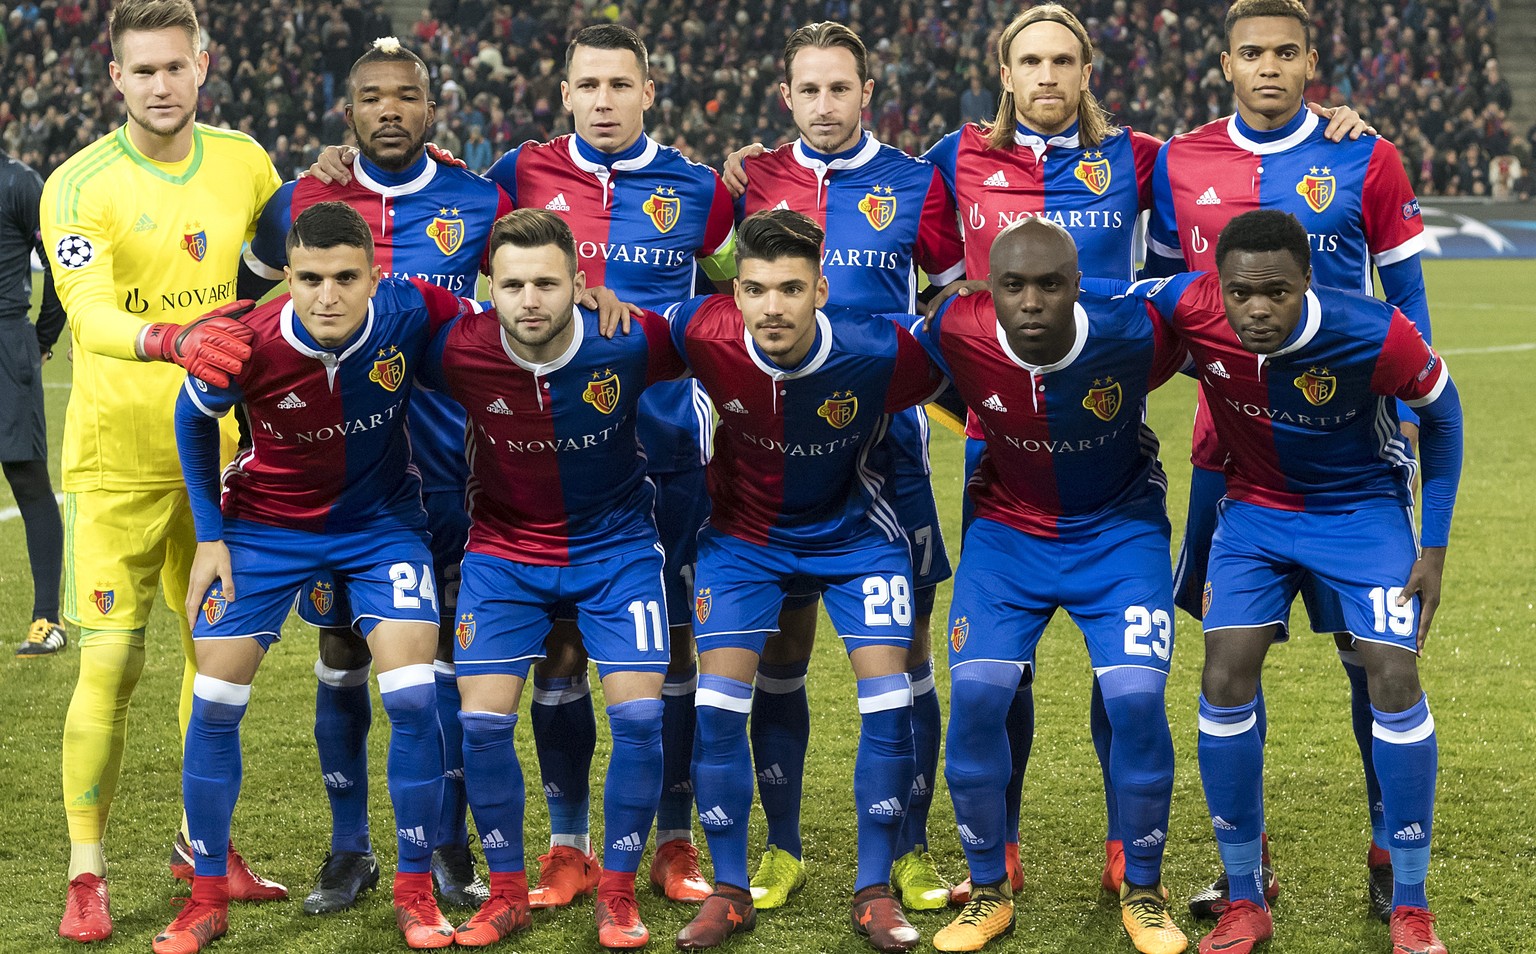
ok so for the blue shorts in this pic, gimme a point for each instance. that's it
(682, 507)
(1206, 490)
(1115, 583)
(325, 605)
(741, 587)
(1260, 558)
(385, 570)
(506, 610)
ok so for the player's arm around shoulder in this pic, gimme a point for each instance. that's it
(916, 377)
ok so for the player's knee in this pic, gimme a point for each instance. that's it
(1392, 676)
(636, 725)
(219, 703)
(408, 690)
(29, 480)
(342, 649)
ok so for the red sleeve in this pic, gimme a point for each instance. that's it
(442, 305)
(1408, 368)
(940, 251)
(1169, 355)
(915, 379)
(504, 205)
(722, 220)
(663, 363)
(1145, 149)
(1394, 229)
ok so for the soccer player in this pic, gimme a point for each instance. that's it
(803, 399)
(144, 229)
(1070, 483)
(561, 512)
(24, 349)
(1359, 210)
(325, 485)
(884, 213)
(429, 220)
(1319, 482)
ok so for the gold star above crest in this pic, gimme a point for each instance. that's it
(455, 211)
(1327, 171)
(442, 211)
(1313, 170)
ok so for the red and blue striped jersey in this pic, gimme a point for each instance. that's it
(430, 221)
(329, 449)
(641, 220)
(791, 462)
(557, 476)
(1067, 444)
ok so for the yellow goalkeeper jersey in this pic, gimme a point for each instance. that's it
(133, 241)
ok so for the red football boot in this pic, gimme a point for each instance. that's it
(86, 914)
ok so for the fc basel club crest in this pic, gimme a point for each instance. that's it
(839, 409)
(322, 596)
(959, 632)
(702, 604)
(664, 208)
(1317, 189)
(447, 233)
(104, 600)
(389, 370)
(1103, 399)
(1093, 172)
(879, 207)
(465, 631)
(1205, 600)
(195, 242)
(215, 605)
(602, 391)
(1317, 386)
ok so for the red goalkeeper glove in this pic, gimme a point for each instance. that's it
(212, 348)
(443, 156)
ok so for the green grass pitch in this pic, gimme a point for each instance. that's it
(1477, 668)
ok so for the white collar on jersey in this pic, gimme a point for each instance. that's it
(866, 152)
(1080, 338)
(405, 188)
(330, 358)
(1311, 320)
(810, 365)
(1308, 124)
(549, 367)
(622, 165)
(1037, 145)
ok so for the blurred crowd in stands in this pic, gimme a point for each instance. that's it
(1424, 71)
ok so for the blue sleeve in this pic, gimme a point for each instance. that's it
(1106, 287)
(1162, 225)
(430, 371)
(504, 174)
(1402, 284)
(197, 444)
(269, 246)
(945, 154)
(1440, 439)
(678, 316)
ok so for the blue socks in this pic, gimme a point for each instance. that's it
(1231, 771)
(882, 773)
(565, 736)
(926, 729)
(1362, 718)
(210, 770)
(674, 813)
(1406, 755)
(1140, 766)
(343, 713)
(451, 828)
(1102, 731)
(1020, 723)
(979, 763)
(781, 732)
(633, 783)
(415, 762)
(493, 781)
(722, 774)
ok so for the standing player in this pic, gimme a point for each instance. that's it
(326, 485)
(429, 221)
(561, 512)
(1359, 210)
(803, 399)
(1069, 483)
(144, 228)
(884, 213)
(1320, 484)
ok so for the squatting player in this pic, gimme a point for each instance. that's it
(144, 229)
(561, 511)
(803, 398)
(1320, 483)
(326, 485)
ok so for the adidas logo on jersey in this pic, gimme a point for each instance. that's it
(198, 847)
(416, 836)
(772, 775)
(970, 837)
(144, 224)
(1218, 369)
(919, 786)
(889, 807)
(630, 842)
(994, 403)
(1157, 837)
(1208, 197)
(558, 203)
(337, 780)
(1221, 824)
(783, 204)
(498, 406)
(996, 179)
(291, 403)
(716, 818)
(495, 839)
(1412, 833)
(735, 406)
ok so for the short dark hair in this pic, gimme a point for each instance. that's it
(149, 15)
(534, 228)
(826, 35)
(387, 49)
(779, 233)
(328, 225)
(610, 36)
(1265, 230)
(1245, 9)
